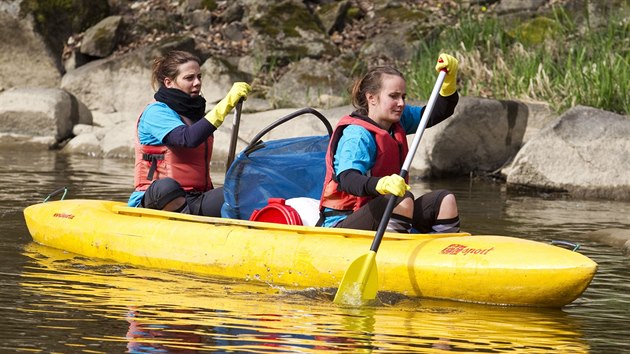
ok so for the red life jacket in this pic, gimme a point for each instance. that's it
(188, 166)
(390, 156)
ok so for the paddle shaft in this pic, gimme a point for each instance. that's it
(382, 226)
(235, 127)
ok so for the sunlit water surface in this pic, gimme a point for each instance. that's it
(52, 301)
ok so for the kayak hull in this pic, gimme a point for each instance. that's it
(488, 269)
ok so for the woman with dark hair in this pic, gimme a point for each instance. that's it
(367, 151)
(174, 138)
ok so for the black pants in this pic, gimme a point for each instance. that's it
(425, 211)
(208, 203)
(164, 190)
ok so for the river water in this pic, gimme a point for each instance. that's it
(52, 301)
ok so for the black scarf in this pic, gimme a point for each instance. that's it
(185, 105)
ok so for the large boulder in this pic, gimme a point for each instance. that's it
(25, 60)
(481, 136)
(120, 83)
(584, 152)
(101, 39)
(218, 76)
(310, 82)
(402, 30)
(56, 21)
(37, 112)
(286, 30)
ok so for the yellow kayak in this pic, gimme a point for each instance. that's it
(488, 269)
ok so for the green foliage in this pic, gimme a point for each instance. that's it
(209, 4)
(50, 14)
(549, 59)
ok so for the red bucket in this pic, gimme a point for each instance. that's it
(276, 211)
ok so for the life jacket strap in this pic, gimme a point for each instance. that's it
(154, 158)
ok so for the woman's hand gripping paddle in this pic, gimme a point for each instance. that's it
(360, 283)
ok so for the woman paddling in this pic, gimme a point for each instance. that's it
(368, 148)
(174, 140)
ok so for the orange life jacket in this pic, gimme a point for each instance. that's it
(391, 150)
(188, 166)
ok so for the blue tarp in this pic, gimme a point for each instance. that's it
(285, 168)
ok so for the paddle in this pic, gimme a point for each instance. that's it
(235, 126)
(360, 282)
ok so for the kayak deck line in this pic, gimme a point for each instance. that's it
(340, 232)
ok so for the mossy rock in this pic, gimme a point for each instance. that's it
(56, 20)
(285, 17)
(75, 15)
(209, 4)
(535, 31)
(397, 14)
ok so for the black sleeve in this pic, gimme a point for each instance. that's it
(190, 136)
(444, 108)
(353, 182)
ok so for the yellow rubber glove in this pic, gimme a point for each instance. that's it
(449, 86)
(217, 114)
(393, 184)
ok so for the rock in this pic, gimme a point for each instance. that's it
(233, 13)
(310, 82)
(80, 113)
(82, 129)
(120, 83)
(540, 114)
(285, 31)
(233, 31)
(11, 140)
(101, 39)
(333, 15)
(56, 21)
(37, 112)
(111, 84)
(583, 152)
(481, 136)
(397, 35)
(22, 48)
(217, 79)
(118, 141)
(72, 58)
(511, 6)
(87, 143)
(387, 46)
(200, 19)
(618, 238)
(254, 104)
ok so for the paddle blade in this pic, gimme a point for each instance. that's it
(360, 283)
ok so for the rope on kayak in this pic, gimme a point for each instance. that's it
(566, 244)
(63, 189)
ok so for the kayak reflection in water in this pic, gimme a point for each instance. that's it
(154, 337)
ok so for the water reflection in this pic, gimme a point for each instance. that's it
(145, 311)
